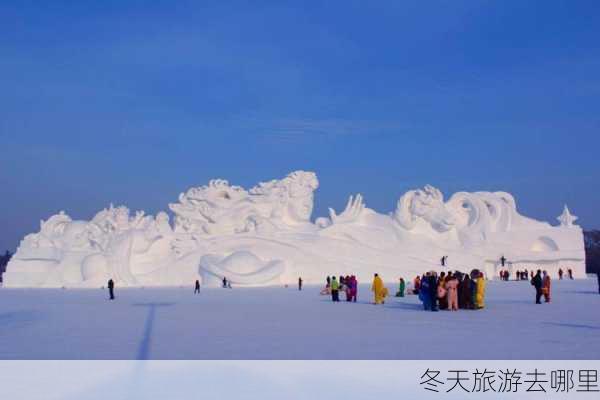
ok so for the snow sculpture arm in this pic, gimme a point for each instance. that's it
(403, 215)
(353, 210)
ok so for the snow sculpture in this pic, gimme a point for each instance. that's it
(566, 219)
(264, 236)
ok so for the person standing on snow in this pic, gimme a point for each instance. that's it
(300, 283)
(441, 291)
(401, 287)
(433, 293)
(111, 289)
(334, 285)
(537, 282)
(560, 273)
(465, 293)
(546, 286)
(197, 289)
(452, 292)
(416, 285)
(379, 291)
(424, 292)
(347, 287)
(474, 291)
(354, 290)
(480, 296)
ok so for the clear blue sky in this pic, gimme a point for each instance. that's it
(132, 102)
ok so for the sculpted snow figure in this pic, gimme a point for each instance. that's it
(219, 208)
(264, 236)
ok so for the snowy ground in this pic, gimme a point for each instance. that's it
(280, 323)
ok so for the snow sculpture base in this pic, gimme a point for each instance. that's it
(240, 268)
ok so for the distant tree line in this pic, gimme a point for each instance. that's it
(592, 251)
(4, 259)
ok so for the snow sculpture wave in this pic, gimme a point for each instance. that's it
(240, 268)
(264, 236)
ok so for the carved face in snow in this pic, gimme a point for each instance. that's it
(428, 205)
(292, 197)
(300, 208)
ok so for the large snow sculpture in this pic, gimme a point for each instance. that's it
(264, 236)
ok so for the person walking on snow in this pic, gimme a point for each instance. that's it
(560, 273)
(537, 282)
(379, 291)
(111, 289)
(300, 283)
(197, 289)
(546, 286)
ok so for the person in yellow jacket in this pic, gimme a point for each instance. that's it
(480, 294)
(379, 291)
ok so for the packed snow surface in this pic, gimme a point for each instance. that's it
(283, 323)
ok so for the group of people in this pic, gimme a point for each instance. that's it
(569, 272)
(541, 282)
(449, 291)
(347, 284)
(524, 275)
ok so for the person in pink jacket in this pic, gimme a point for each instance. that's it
(451, 292)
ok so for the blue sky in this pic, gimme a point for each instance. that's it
(131, 102)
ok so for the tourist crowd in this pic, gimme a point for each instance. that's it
(450, 291)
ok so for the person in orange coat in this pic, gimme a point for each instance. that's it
(451, 286)
(546, 286)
